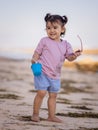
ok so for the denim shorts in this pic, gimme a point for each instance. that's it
(43, 82)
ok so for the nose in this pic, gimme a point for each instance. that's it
(52, 30)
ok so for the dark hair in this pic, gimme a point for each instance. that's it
(55, 18)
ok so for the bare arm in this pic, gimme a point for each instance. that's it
(74, 55)
(35, 57)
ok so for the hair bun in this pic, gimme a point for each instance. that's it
(48, 15)
(65, 19)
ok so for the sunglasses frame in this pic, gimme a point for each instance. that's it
(81, 50)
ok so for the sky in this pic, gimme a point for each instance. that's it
(22, 22)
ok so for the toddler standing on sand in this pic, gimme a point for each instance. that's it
(51, 53)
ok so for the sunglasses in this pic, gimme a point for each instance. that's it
(80, 50)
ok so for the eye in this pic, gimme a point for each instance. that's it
(55, 27)
(48, 28)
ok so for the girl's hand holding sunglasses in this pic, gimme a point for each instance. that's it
(77, 53)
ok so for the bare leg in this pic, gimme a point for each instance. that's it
(37, 104)
(52, 108)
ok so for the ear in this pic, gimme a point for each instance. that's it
(63, 29)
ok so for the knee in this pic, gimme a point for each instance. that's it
(53, 95)
(41, 94)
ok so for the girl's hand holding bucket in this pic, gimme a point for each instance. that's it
(36, 69)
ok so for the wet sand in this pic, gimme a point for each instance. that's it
(77, 102)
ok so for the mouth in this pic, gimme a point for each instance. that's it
(52, 35)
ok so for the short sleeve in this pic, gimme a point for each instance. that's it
(40, 47)
(69, 49)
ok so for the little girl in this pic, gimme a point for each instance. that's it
(51, 52)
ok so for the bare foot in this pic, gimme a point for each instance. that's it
(35, 118)
(54, 119)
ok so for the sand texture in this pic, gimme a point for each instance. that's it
(77, 102)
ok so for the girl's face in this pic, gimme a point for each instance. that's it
(54, 30)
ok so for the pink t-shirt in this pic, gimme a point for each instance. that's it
(52, 56)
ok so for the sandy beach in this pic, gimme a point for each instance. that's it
(77, 101)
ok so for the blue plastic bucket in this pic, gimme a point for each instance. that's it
(36, 69)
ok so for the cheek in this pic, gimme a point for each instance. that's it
(47, 31)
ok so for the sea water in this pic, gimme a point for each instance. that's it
(16, 55)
